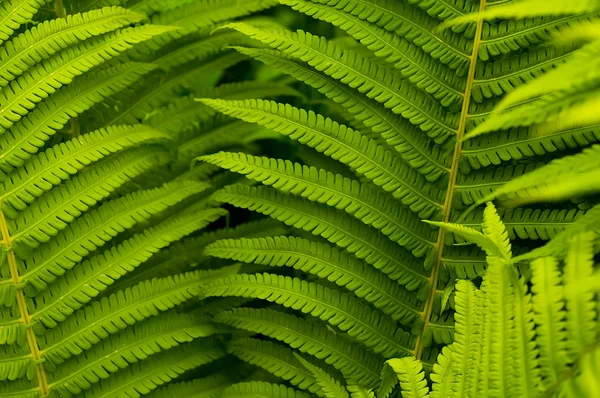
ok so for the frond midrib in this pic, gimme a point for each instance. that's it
(452, 180)
(25, 318)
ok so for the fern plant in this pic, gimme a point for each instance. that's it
(101, 216)
(374, 282)
(515, 338)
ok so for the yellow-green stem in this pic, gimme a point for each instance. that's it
(447, 209)
(25, 318)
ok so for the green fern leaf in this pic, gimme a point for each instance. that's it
(381, 84)
(338, 309)
(145, 376)
(443, 375)
(40, 174)
(323, 187)
(76, 288)
(346, 232)
(96, 228)
(439, 81)
(22, 140)
(327, 263)
(14, 13)
(54, 211)
(330, 387)
(415, 149)
(352, 360)
(276, 359)
(341, 143)
(41, 81)
(550, 318)
(47, 38)
(581, 309)
(411, 377)
(114, 313)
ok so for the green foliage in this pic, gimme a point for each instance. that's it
(95, 195)
(131, 131)
(518, 339)
(411, 97)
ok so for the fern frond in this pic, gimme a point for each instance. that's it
(412, 25)
(388, 382)
(443, 376)
(96, 228)
(147, 375)
(472, 235)
(529, 223)
(562, 178)
(466, 347)
(445, 9)
(532, 8)
(325, 262)
(550, 319)
(41, 173)
(560, 244)
(40, 42)
(25, 138)
(320, 186)
(511, 35)
(53, 212)
(524, 143)
(276, 359)
(111, 314)
(345, 232)
(73, 290)
(352, 360)
(41, 81)
(581, 308)
(411, 376)
(358, 391)
(507, 75)
(430, 160)
(438, 80)
(497, 372)
(330, 387)
(133, 345)
(14, 13)
(343, 144)
(526, 378)
(367, 326)
(376, 82)
(494, 229)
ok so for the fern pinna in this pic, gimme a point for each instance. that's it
(101, 217)
(374, 282)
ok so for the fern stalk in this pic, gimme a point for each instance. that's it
(452, 181)
(25, 317)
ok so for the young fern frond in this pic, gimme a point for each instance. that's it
(535, 325)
